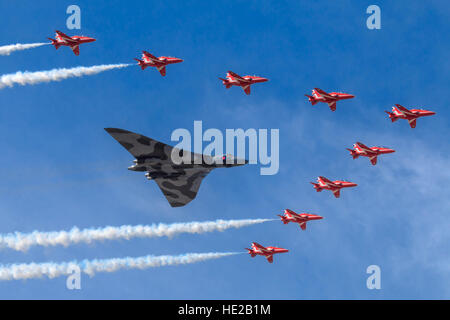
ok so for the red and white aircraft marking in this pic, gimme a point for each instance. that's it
(245, 82)
(372, 153)
(149, 60)
(318, 95)
(400, 112)
(72, 42)
(300, 218)
(267, 252)
(333, 186)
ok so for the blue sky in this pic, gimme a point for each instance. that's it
(61, 169)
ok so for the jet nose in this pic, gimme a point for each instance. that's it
(318, 217)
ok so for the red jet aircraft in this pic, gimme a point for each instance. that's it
(301, 219)
(373, 152)
(268, 252)
(149, 60)
(400, 112)
(334, 186)
(318, 95)
(72, 42)
(245, 82)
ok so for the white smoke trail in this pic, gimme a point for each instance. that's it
(90, 267)
(7, 50)
(24, 78)
(23, 241)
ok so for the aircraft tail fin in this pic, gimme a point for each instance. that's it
(392, 116)
(225, 83)
(55, 43)
(316, 186)
(311, 99)
(353, 153)
(141, 63)
(373, 160)
(303, 226)
(250, 251)
(283, 218)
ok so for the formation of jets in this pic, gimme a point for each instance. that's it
(180, 181)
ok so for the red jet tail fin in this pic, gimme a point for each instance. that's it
(141, 63)
(353, 153)
(283, 218)
(316, 186)
(392, 116)
(311, 99)
(303, 225)
(250, 251)
(225, 82)
(55, 43)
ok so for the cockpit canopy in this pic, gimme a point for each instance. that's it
(225, 158)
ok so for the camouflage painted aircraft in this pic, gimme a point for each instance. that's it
(178, 180)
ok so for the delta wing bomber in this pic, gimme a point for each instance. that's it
(178, 173)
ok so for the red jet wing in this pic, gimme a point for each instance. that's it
(149, 55)
(65, 36)
(404, 110)
(332, 105)
(324, 94)
(337, 192)
(238, 77)
(76, 50)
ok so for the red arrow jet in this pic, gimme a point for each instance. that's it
(372, 153)
(72, 42)
(333, 186)
(149, 60)
(268, 252)
(245, 82)
(400, 112)
(301, 219)
(318, 95)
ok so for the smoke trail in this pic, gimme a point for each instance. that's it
(7, 50)
(24, 78)
(90, 267)
(23, 241)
